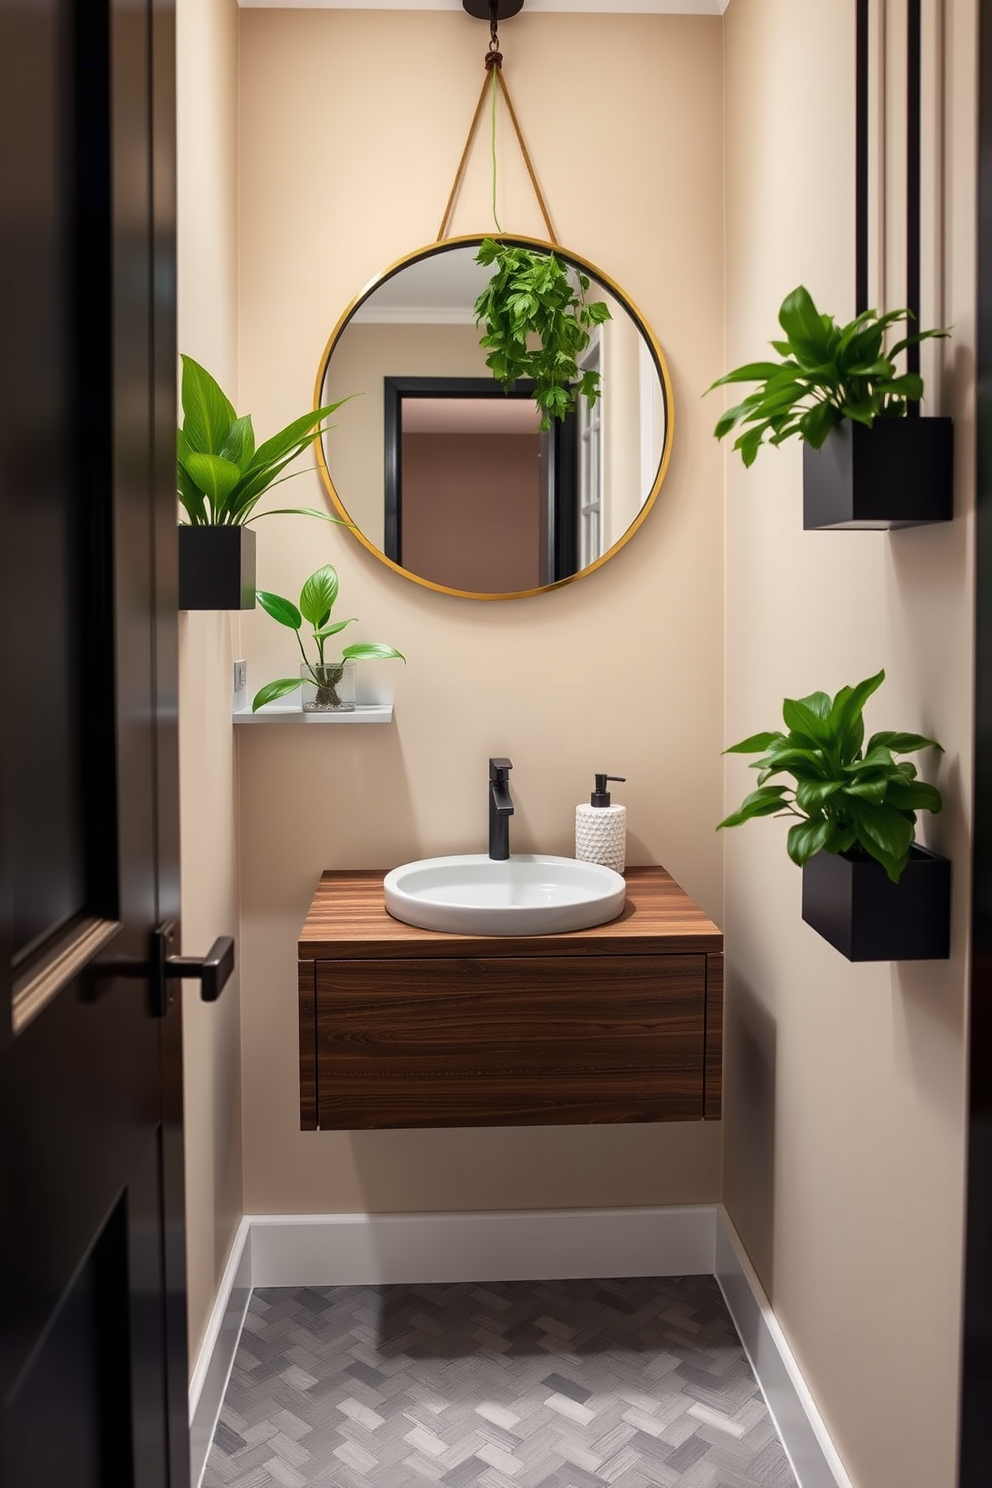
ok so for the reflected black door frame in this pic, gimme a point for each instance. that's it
(559, 460)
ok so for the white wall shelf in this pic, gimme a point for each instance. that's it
(282, 713)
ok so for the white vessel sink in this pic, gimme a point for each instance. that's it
(527, 894)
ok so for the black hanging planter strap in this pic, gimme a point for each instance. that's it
(914, 126)
(861, 145)
(900, 473)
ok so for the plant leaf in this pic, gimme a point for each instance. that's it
(811, 794)
(371, 651)
(207, 413)
(807, 838)
(750, 372)
(254, 484)
(280, 609)
(802, 720)
(215, 476)
(898, 743)
(191, 496)
(818, 703)
(239, 445)
(298, 511)
(915, 339)
(817, 422)
(909, 386)
(318, 595)
(273, 690)
(763, 802)
(840, 839)
(300, 432)
(882, 825)
(804, 764)
(868, 790)
(803, 324)
(877, 758)
(892, 864)
(756, 744)
(332, 629)
(916, 795)
(848, 705)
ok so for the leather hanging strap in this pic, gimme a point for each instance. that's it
(494, 65)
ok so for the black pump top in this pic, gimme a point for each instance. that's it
(601, 796)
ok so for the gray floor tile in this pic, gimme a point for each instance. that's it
(616, 1383)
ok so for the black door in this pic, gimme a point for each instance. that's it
(92, 1279)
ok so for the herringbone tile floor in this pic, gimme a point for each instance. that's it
(638, 1383)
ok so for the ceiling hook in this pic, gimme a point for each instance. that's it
(480, 9)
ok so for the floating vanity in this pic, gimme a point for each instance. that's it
(404, 1027)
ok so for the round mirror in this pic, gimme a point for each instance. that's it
(448, 478)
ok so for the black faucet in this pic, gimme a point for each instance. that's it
(500, 808)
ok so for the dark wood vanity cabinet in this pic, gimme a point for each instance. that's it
(401, 1027)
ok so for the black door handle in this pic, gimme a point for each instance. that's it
(211, 971)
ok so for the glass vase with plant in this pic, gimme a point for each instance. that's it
(323, 676)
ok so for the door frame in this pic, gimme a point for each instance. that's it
(976, 1356)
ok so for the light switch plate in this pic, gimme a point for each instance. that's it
(240, 685)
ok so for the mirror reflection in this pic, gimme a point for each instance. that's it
(449, 477)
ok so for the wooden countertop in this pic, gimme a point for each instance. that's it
(348, 919)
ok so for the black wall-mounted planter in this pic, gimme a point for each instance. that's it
(216, 568)
(854, 905)
(899, 473)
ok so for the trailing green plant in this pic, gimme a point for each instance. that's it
(317, 600)
(537, 324)
(848, 798)
(827, 373)
(220, 473)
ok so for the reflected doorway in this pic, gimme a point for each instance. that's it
(477, 496)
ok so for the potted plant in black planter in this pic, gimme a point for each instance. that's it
(221, 476)
(328, 683)
(868, 887)
(865, 462)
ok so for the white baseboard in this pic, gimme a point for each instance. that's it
(357, 1249)
(377, 1249)
(813, 1455)
(208, 1384)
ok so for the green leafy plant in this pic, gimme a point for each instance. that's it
(827, 373)
(316, 602)
(220, 474)
(848, 799)
(537, 325)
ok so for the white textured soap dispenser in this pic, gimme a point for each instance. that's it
(601, 829)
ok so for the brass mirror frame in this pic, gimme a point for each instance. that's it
(467, 240)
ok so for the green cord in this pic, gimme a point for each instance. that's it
(495, 85)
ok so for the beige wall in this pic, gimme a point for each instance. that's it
(351, 127)
(208, 643)
(844, 1129)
